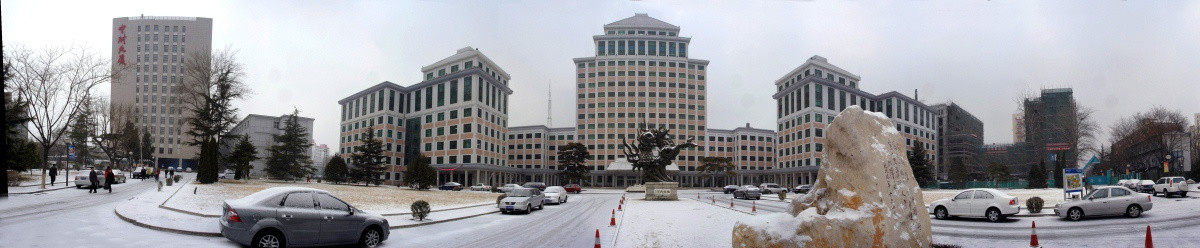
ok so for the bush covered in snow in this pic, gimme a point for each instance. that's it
(1035, 204)
(420, 209)
(783, 195)
(499, 198)
(177, 178)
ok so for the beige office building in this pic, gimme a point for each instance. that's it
(151, 51)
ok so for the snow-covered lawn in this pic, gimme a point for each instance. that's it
(377, 199)
(682, 223)
(1051, 196)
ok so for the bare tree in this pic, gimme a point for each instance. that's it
(55, 81)
(110, 120)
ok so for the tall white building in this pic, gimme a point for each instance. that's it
(152, 51)
(320, 156)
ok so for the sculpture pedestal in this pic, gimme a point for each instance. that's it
(662, 191)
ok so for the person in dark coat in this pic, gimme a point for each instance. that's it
(53, 174)
(109, 179)
(95, 181)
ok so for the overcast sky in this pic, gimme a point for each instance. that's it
(1121, 57)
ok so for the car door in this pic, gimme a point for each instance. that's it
(1098, 204)
(338, 226)
(300, 219)
(959, 204)
(980, 202)
(1120, 200)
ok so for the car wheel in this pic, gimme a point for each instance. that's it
(940, 213)
(1155, 193)
(542, 206)
(269, 238)
(993, 215)
(370, 238)
(78, 187)
(1075, 214)
(1183, 194)
(528, 208)
(1133, 211)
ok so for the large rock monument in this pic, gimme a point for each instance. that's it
(651, 152)
(865, 195)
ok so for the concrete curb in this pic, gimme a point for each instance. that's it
(164, 229)
(439, 210)
(723, 207)
(39, 191)
(441, 221)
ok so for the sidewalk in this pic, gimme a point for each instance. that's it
(33, 188)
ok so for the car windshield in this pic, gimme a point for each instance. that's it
(521, 193)
(1101, 193)
(554, 190)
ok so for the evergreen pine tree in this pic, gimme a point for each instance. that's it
(920, 166)
(419, 173)
(572, 158)
(335, 170)
(288, 158)
(368, 161)
(243, 153)
(81, 132)
(146, 147)
(1037, 176)
(207, 162)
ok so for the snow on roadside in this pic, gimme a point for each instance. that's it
(682, 223)
(209, 198)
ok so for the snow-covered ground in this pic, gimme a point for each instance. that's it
(378, 199)
(682, 223)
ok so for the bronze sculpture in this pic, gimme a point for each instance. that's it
(653, 150)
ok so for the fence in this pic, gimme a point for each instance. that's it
(1017, 184)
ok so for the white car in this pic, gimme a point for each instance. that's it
(1171, 185)
(555, 195)
(989, 203)
(522, 199)
(1111, 200)
(509, 187)
(771, 188)
(481, 187)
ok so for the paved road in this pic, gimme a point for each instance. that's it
(572, 224)
(73, 218)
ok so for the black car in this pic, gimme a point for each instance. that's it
(539, 186)
(802, 189)
(730, 188)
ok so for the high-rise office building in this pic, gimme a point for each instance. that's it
(960, 137)
(812, 94)
(1051, 129)
(457, 116)
(151, 51)
(1018, 123)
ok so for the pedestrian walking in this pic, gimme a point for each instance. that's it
(92, 179)
(156, 171)
(109, 179)
(53, 174)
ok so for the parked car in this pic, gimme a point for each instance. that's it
(1145, 186)
(481, 187)
(747, 192)
(81, 179)
(729, 189)
(227, 174)
(522, 199)
(539, 186)
(988, 203)
(509, 187)
(1110, 200)
(140, 172)
(120, 176)
(297, 216)
(451, 186)
(771, 188)
(573, 188)
(1171, 185)
(802, 189)
(555, 195)
(1124, 182)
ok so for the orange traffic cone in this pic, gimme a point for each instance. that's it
(619, 207)
(622, 197)
(613, 221)
(1033, 242)
(1149, 241)
(622, 201)
(697, 196)
(714, 200)
(754, 207)
(730, 203)
(597, 238)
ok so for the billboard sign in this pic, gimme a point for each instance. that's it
(1072, 180)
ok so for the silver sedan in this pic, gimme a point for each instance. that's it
(1111, 200)
(522, 199)
(296, 217)
(555, 195)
